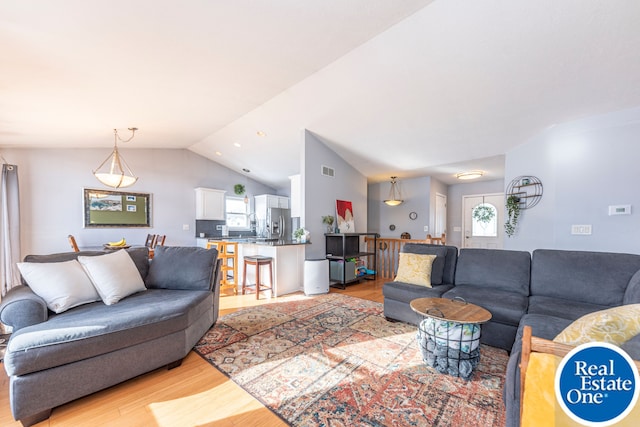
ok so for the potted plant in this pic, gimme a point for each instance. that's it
(238, 189)
(513, 212)
(301, 235)
(328, 219)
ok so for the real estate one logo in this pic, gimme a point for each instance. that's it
(597, 384)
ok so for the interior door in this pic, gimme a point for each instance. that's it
(441, 215)
(483, 221)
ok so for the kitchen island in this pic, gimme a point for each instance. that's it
(288, 262)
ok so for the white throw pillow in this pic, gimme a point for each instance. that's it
(62, 285)
(114, 275)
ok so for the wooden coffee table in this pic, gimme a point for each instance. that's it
(454, 310)
(449, 334)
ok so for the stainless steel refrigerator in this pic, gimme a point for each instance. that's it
(279, 224)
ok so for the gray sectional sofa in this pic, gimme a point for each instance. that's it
(52, 359)
(546, 290)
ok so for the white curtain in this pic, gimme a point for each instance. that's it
(9, 228)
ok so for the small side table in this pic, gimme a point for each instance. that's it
(449, 334)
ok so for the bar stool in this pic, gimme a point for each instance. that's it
(258, 261)
(228, 253)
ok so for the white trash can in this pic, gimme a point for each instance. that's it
(316, 276)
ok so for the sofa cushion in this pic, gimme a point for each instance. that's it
(182, 268)
(62, 285)
(114, 275)
(494, 268)
(444, 266)
(614, 325)
(582, 276)
(139, 255)
(559, 307)
(505, 307)
(415, 269)
(438, 265)
(406, 292)
(93, 329)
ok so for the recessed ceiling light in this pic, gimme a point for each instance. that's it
(218, 153)
(245, 170)
(470, 175)
(237, 144)
(261, 133)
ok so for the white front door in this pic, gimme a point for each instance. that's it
(483, 221)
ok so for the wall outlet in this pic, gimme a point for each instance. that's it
(185, 227)
(581, 230)
(426, 228)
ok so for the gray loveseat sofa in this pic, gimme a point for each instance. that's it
(52, 359)
(546, 290)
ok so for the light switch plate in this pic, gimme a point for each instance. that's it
(185, 227)
(620, 210)
(426, 228)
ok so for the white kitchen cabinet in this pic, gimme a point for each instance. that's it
(210, 204)
(272, 201)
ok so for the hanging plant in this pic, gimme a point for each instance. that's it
(513, 212)
(484, 213)
(238, 189)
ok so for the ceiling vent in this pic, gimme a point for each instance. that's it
(327, 171)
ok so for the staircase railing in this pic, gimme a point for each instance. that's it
(388, 253)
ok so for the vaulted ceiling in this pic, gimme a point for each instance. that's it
(407, 88)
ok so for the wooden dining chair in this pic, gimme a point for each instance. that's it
(437, 240)
(159, 240)
(72, 242)
(149, 242)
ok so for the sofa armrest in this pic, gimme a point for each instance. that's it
(21, 307)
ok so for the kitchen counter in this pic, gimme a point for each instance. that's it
(288, 261)
(254, 241)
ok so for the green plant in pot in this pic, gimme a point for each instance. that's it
(300, 235)
(238, 189)
(328, 220)
(513, 213)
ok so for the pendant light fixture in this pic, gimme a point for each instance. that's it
(114, 171)
(394, 194)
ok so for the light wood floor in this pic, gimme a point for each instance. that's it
(194, 394)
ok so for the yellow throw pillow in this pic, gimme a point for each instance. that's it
(415, 269)
(614, 325)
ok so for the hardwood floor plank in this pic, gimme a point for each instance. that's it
(193, 394)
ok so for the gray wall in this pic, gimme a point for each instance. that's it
(320, 192)
(416, 195)
(51, 183)
(584, 166)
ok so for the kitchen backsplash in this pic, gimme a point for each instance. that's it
(208, 227)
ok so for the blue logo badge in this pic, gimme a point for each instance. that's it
(597, 384)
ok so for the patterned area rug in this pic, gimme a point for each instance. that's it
(333, 360)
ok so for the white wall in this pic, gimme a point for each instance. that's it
(51, 183)
(584, 166)
(320, 192)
